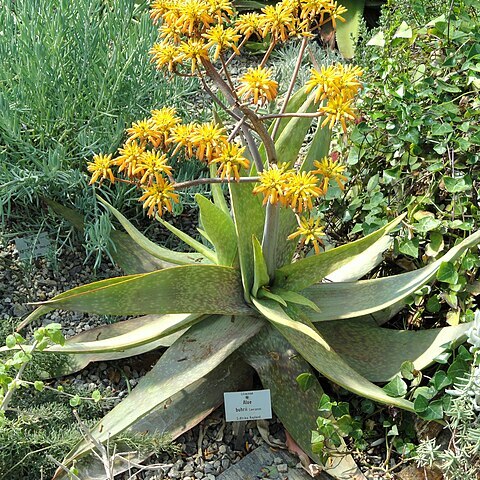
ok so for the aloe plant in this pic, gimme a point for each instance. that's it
(243, 297)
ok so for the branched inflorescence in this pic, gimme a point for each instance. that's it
(200, 38)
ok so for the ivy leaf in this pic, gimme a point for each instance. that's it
(407, 370)
(440, 380)
(447, 273)
(396, 387)
(456, 185)
(305, 381)
(409, 247)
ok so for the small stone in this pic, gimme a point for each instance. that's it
(198, 475)
(223, 449)
(282, 468)
(277, 461)
(225, 463)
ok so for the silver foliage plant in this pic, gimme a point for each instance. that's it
(461, 459)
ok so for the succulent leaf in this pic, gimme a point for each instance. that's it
(347, 32)
(313, 348)
(319, 148)
(249, 217)
(377, 353)
(310, 270)
(198, 289)
(194, 355)
(190, 241)
(260, 273)
(278, 367)
(217, 192)
(220, 230)
(369, 296)
(152, 248)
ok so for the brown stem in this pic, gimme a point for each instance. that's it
(233, 55)
(267, 53)
(207, 181)
(227, 75)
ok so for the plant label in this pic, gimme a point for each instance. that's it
(254, 405)
(33, 247)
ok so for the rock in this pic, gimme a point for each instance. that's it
(420, 473)
(282, 468)
(223, 449)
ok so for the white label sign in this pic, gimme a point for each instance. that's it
(240, 406)
(33, 247)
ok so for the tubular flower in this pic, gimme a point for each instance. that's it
(338, 109)
(101, 168)
(208, 138)
(314, 9)
(273, 183)
(144, 132)
(163, 121)
(277, 20)
(129, 156)
(194, 51)
(336, 12)
(159, 197)
(350, 83)
(309, 230)
(182, 136)
(258, 84)
(164, 55)
(219, 8)
(300, 190)
(330, 170)
(221, 38)
(231, 160)
(193, 16)
(151, 166)
(324, 81)
(248, 24)
(159, 8)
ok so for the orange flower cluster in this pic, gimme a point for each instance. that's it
(337, 85)
(297, 190)
(143, 159)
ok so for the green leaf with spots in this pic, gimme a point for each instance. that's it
(249, 216)
(347, 32)
(190, 241)
(312, 347)
(310, 270)
(369, 296)
(292, 137)
(193, 356)
(260, 273)
(220, 230)
(201, 289)
(152, 248)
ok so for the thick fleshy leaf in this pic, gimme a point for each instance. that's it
(313, 269)
(292, 137)
(217, 192)
(126, 253)
(347, 32)
(313, 348)
(319, 148)
(377, 353)
(220, 230)
(362, 264)
(353, 299)
(198, 289)
(152, 248)
(199, 351)
(175, 416)
(190, 241)
(146, 332)
(278, 367)
(78, 361)
(249, 215)
(260, 273)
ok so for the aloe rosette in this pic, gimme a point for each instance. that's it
(241, 298)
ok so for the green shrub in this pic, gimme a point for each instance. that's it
(72, 76)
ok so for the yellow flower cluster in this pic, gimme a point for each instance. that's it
(337, 85)
(298, 190)
(193, 31)
(143, 159)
